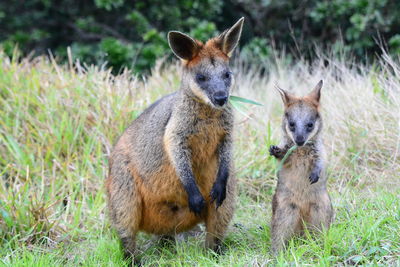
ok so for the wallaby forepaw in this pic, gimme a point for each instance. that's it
(275, 151)
(196, 204)
(314, 177)
(218, 193)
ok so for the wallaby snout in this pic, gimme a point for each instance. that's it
(300, 140)
(220, 98)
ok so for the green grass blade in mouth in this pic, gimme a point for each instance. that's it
(240, 108)
(237, 103)
(234, 98)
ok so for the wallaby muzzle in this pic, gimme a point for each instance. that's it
(220, 98)
(300, 140)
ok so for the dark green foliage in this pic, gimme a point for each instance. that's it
(120, 32)
(360, 20)
(257, 51)
(132, 34)
(356, 25)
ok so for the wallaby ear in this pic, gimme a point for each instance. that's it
(230, 37)
(286, 97)
(316, 92)
(183, 46)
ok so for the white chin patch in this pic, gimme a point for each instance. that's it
(198, 92)
(314, 131)
(290, 133)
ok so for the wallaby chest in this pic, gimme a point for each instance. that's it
(301, 159)
(294, 175)
(205, 139)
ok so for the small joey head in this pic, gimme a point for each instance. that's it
(302, 121)
(206, 72)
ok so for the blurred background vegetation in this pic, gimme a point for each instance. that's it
(132, 34)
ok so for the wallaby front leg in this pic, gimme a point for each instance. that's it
(218, 191)
(316, 170)
(180, 156)
(217, 220)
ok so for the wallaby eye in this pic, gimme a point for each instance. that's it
(201, 78)
(292, 126)
(227, 75)
(310, 126)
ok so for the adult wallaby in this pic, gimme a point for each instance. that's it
(172, 167)
(301, 198)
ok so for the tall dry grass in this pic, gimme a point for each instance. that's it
(361, 114)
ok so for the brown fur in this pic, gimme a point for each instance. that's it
(297, 202)
(160, 202)
(208, 50)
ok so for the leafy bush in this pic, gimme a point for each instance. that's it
(133, 33)
(122, 33)
(360, 20)
(257, 51)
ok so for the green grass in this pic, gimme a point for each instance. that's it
(58, 124)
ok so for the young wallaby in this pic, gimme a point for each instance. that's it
(301, 199)
(172, 167)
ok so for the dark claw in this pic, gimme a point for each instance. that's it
(274, 151)
(218, 193)
(196, 204)
(314, 177)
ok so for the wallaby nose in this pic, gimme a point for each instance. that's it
(220, 98)
(300, 140)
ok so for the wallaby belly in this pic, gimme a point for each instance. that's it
(295, 176)
(295, 190)
(164, 200)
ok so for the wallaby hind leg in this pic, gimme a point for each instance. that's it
(321, 213)
(128, 242)
(216, 225)
(125, 207)
(285, 222)
(218, 219)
